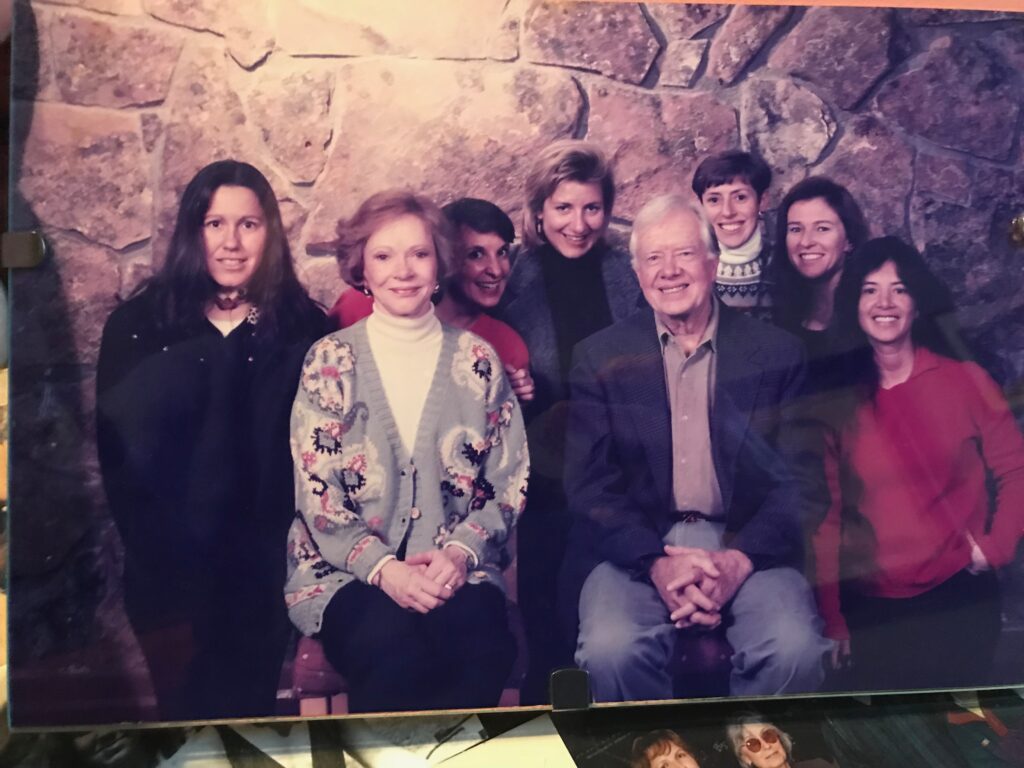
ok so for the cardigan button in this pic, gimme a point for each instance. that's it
(415, 513)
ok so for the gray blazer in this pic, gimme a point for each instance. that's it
(524, 306)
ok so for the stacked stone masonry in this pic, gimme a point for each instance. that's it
(119, 102)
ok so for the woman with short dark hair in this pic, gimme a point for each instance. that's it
(195, 380)
(906, 553)
(732, 188)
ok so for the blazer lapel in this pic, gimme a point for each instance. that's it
(646, 397)
(529, 313)
(737, 383)
(620, 284)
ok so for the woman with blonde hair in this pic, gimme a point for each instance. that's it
(567, 283)
(410, 471)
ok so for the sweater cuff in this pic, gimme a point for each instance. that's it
(365, 556)
(472, 560)
(471, 537)
(374, 578)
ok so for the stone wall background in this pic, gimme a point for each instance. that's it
(119, 102)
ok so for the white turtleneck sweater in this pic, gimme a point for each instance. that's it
(406, 350)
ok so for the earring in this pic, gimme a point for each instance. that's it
(365, 290)
(437, 288)
(540, 229)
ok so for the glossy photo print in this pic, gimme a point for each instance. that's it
(962, 730)
(390, 356)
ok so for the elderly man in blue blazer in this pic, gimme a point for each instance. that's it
(687, 502)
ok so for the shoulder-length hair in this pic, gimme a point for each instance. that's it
(564, 160)
(379, 209)
(791, 299)
(653, 744)
(182, 286)
(734, 733)
(934, 325)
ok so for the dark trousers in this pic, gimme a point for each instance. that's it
(945, 638)
(542, 534)
(458, 656)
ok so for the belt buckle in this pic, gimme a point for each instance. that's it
(692, 517)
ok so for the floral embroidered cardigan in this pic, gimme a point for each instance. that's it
(359, 493)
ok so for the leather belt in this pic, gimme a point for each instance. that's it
(690, 515)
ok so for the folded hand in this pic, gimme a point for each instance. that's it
(445, 567)
(408, 585)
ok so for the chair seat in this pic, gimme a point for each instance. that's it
(702, 663)
(313, 675)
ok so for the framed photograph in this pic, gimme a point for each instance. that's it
(217, 512)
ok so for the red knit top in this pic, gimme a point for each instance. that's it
(907, 475)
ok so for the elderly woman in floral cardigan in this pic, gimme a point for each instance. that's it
(411, 466)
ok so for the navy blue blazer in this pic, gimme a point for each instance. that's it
(619, 447)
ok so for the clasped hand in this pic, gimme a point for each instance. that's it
(521, 381)
(426, 580)
(696, 583)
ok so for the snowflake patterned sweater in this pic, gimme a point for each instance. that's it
(360, 494)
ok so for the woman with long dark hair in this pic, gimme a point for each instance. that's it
(197, 373)
(925, 468)
(818, 226)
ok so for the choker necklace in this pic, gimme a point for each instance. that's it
(229, 300)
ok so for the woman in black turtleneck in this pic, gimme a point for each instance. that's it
(566, 284)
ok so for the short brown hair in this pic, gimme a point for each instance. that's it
(657, 742)
(378, 210)
(564, 160)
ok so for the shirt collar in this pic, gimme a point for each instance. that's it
(710, 336)
(924, 360)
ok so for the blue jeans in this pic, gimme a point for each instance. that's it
(626, 639)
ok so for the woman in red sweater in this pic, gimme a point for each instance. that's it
(926, 473)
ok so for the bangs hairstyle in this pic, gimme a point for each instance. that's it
(482, 216)
(657, 209)
(183, 287)
(380, 209)
(730, 166)
(934, 327)
(564, 160)
(654, 744)
(734, 733)
(792, 299)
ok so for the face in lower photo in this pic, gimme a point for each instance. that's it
(662, 749)
(759, 744)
